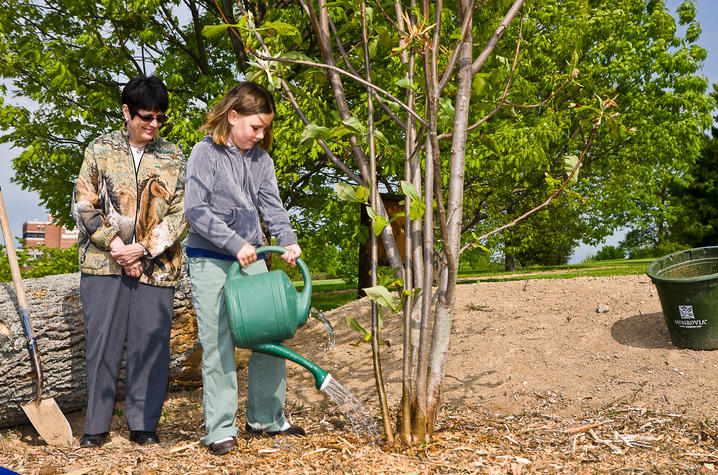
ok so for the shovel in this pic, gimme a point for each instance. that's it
(44, 414)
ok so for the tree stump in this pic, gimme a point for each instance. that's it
(56, 314)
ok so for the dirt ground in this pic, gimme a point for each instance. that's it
(553, 376)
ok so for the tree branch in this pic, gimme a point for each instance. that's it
(455, 54)
(290, 96)
(348, 74)
(493, 41)
(589, 141)
(338, 41)
(501, 102)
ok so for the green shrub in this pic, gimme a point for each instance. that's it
(40, 261)
(607, 253)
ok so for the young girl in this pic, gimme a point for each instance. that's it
(230, 180)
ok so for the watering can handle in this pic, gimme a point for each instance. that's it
(307, 290)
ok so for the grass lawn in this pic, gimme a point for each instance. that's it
(332, 293)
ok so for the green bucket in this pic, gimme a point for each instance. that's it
(687, 284)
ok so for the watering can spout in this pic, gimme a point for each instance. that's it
(321, 377)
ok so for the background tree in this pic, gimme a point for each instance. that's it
(70, 60)
(631, 52)
(695, 199)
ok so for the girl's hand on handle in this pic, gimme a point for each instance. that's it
(246, 255)
(293, 252)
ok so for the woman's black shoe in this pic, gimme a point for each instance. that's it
(93, 441)
(142, 437)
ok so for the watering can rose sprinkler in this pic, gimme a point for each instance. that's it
(265, 309)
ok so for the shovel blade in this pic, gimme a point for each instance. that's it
(49, 421)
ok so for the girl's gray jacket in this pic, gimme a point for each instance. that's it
(224, 193)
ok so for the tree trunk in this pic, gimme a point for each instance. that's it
(56, 313)
(509, 262)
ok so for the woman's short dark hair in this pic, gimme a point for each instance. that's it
(146, 93)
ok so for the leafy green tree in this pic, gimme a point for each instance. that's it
(629, 52)
(696, 200)
(548, 237)
(70, 60)
(607, 253)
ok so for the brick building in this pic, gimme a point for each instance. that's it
(48, 233)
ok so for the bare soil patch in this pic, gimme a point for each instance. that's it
(557, 376)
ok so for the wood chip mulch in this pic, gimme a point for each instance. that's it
(468, 440)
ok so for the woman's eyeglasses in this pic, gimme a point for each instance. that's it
(161, 118)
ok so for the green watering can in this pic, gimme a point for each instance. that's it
(265, 309)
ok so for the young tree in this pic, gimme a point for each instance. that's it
(443, 83)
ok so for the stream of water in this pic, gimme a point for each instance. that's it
(327, 324)
(362, 422)
(359, 418)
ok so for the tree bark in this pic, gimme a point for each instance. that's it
(56, 314)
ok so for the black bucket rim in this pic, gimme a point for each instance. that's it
(677, 280)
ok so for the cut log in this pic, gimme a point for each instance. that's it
(56, 313)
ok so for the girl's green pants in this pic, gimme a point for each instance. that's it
(267, 374)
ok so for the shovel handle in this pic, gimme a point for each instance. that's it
(20, 295)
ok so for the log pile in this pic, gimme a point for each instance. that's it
(56, 313)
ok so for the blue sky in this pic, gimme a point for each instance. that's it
(25, 206)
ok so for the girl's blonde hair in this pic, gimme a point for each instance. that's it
(246, 98)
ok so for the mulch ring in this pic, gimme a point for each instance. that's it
(468, 440)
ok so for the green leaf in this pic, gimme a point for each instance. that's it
(490, 143)
(385, 38)
(354, 125)
(382, 297)
(446, 112)
(574, 61)
(340, 131)
(478, 84)
(213, 31)
(417, 209)
(282, 29)
(354, 325)
(405, 83)
(362, 193)
(296, 56)
(380, 137)
(314, 131)
(569, 163)
(394, 106)
(346, 192)
(409, 190)
(372, 47)
(379, 224)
